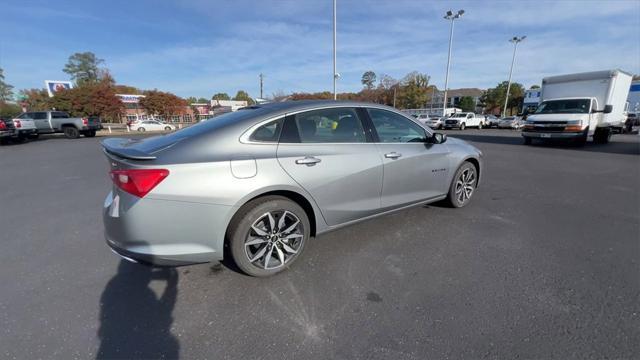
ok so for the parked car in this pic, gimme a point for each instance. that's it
(17, 130)
(262, 181)
(632, 123)
(491, 121)
(433, 122)
(510, 122)
(151, 125)
(48, 122)
(464, 120)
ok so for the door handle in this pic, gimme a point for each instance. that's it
(392, 155)
(308, 160)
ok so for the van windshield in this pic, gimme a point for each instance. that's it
(570, 106)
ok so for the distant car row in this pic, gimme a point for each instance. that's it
(32, 124)
(149, 125)
(463, 120)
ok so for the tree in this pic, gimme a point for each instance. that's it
(126, 89)
(534, 87)
(413, 91)
(242, 95)
(91, 99)
(6, 90)
(494, 97)
(202, 100)
(163, 103)
(466, 103)
(9, 110)
(83, 67)
(35, 99)
(221, 96)
(368, 79)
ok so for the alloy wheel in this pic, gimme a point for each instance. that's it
(465, 185)
(274, 239)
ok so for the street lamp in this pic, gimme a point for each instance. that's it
(449, 16)
(515, 40)
(335, 72)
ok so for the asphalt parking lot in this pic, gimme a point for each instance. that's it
(544, 263)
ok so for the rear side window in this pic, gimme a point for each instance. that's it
(269, 132)
(58, 115)
(395, 128)
(40, 116)
(333, 125)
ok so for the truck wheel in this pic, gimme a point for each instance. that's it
(527, 140)
(601, 136)
(141, 129)
(71, 132)
(479, 126)
(462, 126)
(90, 133)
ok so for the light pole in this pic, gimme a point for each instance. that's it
(335, 72)
(449, 16)
(515, 40)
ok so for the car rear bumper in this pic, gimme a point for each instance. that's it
(164, 233)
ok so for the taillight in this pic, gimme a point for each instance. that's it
(138, 182)
(3, 126)
(85, 121)
(17, 123)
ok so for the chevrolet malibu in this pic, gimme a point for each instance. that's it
(258, 183)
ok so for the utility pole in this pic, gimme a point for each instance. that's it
(449, 16)
(515, 40)
(261, 79)
(335, 72)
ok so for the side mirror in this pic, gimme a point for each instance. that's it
(607, 109)
(438, 138)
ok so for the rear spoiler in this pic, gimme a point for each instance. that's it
(122, 148)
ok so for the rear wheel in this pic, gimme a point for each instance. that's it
(463, 185)
(141, 129)
(167, 128)
(267, 235)
(71, 132)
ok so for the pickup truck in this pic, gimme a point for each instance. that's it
(48, 122)
(464, 120)
(16, 130)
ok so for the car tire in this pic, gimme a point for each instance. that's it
(479, 126)
(463, 185)
(90, 133)
(601, 136)
(527, 140)
(462, 126)
(70, 132)
(141, 129)
(167, 128)
(256, 235)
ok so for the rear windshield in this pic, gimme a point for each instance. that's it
(156, 143)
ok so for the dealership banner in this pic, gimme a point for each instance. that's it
(53, 86)
(130, 98)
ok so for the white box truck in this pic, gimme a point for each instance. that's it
(576, 106)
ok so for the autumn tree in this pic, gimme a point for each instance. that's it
(6, 90)
(9, 110)
(368, 79)
(90, 99)
(221, 96)
(84, 67)
(413, 92)
(126, 89)
(35, 99)
(163, 103)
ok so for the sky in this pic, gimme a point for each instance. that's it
(201, 47)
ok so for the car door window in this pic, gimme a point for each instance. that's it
(40, 116)
(395, 128)
(334, 125)
(268, 132)
(24, 116)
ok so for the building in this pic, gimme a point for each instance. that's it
(434, 106)
(224, 106)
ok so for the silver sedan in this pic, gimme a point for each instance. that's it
(258, 183)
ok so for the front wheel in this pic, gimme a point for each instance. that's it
(267, 235)
(462, 126)
(141, 129)
(167, 128)
(463, 185)
(480, 126)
